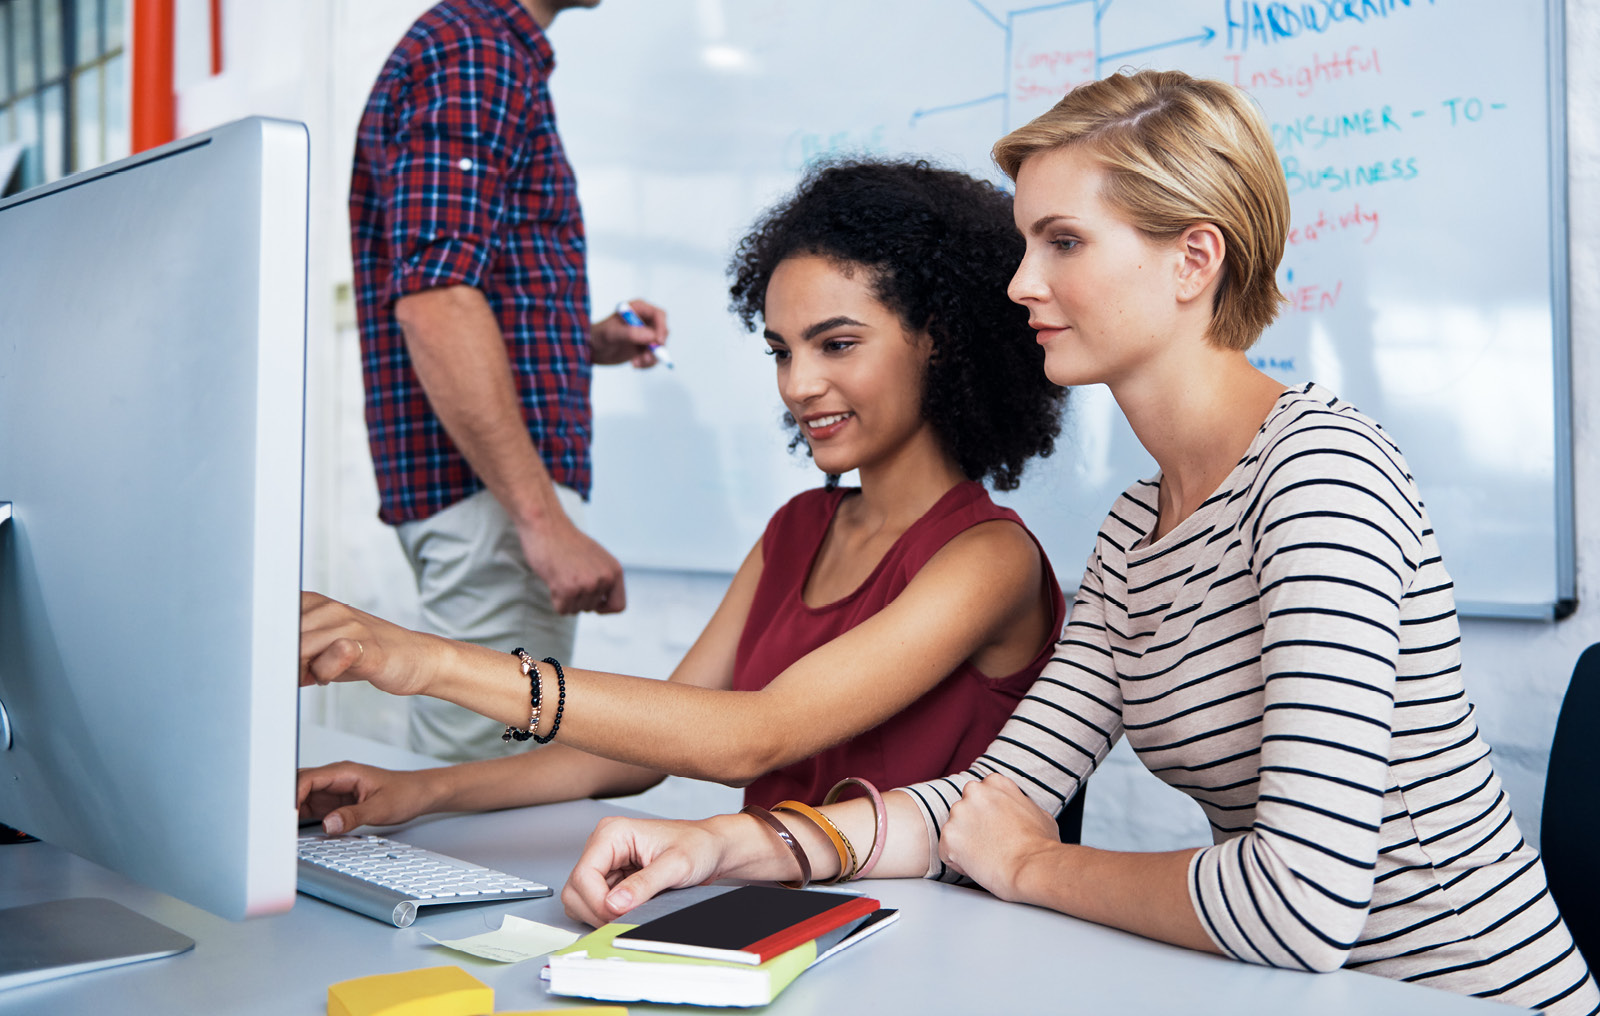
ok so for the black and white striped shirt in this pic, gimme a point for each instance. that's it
(1289, 657)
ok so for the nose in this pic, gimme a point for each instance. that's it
(1027, 284)
(804, 377)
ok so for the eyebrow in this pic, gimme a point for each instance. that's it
(837, 321)
(1039, 226)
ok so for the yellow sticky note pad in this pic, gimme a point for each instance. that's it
(431, 991)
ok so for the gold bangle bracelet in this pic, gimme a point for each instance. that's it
(841, 842)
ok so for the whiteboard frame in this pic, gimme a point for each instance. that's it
(1565, 601)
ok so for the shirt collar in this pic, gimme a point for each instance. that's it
(524, 27)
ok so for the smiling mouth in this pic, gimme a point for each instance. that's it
(826, 426)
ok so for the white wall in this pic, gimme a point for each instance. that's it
(313, 60)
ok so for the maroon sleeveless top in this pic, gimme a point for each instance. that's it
(941, 732)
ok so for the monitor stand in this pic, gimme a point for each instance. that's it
(58, 938)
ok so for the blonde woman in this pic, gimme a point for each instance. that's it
(1267, 620)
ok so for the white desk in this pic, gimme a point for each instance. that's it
(953, 951)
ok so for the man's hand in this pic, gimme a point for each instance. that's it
(581, 574)
(460, 357)
(612, 340)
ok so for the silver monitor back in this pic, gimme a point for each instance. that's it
(152, 359)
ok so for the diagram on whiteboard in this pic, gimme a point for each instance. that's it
(1039, 68)
(1346, 139)
(1419, 142)
(1050, 48)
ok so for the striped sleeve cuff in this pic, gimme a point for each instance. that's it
(934, 800)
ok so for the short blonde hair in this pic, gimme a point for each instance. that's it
(1177, 151)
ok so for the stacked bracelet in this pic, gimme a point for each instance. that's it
(561, 701)
(530, 670)
(880, 831)
(836, 836)
(788, 840)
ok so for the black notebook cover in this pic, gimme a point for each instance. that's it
(741, 918)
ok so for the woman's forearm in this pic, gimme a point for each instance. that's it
(656, 725)
(1145, 893)
(542, 776)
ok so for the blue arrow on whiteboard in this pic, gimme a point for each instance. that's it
(919, 114)
(1205, 36)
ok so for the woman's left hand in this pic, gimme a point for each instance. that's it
(628, 861)
(992, 835)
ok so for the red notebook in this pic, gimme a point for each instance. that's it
(749, 924)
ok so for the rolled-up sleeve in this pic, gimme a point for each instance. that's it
(452, 148)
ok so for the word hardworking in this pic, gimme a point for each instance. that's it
(1266, 23)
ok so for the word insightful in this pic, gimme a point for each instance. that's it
(1356, 61)
(1250, 21)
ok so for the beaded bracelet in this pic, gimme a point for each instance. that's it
(561, 701)
(880, 831)
(530, 670)
(788, 840)
(841, 842)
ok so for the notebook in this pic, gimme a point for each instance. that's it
(595, 967)
(747, 924)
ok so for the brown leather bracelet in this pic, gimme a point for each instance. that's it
(787, 839)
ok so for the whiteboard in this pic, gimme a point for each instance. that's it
(1422, 143)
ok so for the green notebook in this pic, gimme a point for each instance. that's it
(593, 967)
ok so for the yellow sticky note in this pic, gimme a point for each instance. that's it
(431, 991)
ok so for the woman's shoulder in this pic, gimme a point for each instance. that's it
(964, 513)
(807, 511)
(1313, 433)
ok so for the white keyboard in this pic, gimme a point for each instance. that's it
(388, 880)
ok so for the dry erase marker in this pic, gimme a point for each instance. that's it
(629, 316)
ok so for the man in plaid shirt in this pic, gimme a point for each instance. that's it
(477, 343)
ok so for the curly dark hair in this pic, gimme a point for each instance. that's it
(941, 248)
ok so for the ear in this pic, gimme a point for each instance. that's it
(1202, 251)
(922, 342)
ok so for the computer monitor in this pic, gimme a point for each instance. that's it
(152, 360)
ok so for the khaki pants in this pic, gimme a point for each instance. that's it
(476, 586)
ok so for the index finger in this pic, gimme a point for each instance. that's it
(335, 777)
(654, 318)
(590, 881)
(1004, 784)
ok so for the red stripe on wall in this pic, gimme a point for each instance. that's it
(154, 112)
(216, 37)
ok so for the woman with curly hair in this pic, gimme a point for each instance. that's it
(881, 291)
